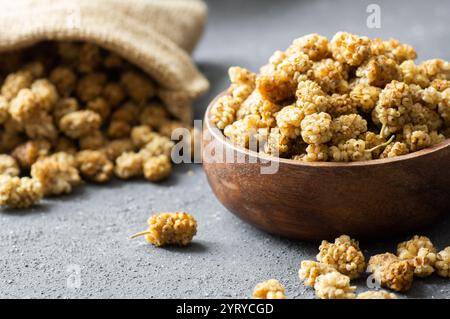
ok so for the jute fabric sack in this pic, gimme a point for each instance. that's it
(156, 35)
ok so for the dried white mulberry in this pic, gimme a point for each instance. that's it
(80, 123)
(365, 96)
(394, 150)
(94, 166)
(442, 264)
(64, 79)
(139, 87)
(379, 71)
(142, 135)
(15, 82)
(315, 153)
(8, 166)
(376, 294)
(157, 168)
(289, 120)
(346, 127)
(351, 151)
(391, 272)
(310, 270)
(271, 289)
(18, 192)
(56, 173)
(334, 285)
(313, 45)
(170, 229)
(129, 165)
(344, 255)
(349, 48)
(29, 152)
(317, 128)
(421, 252)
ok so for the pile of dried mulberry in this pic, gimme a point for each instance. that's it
(334, 285)
(337, 264)
(73, 111)
(415, 257)
(348, 99)
(424, 258)
(340, 262)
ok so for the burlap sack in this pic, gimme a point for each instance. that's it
(156, 35)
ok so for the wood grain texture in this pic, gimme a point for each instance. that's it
(367, 200)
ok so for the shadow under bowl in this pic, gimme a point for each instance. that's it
(367, 200)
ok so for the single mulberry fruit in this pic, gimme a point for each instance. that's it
(170, 229)
(271, 289)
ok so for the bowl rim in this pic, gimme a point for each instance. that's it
(213, 130)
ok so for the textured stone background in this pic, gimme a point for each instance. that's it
(90, 227)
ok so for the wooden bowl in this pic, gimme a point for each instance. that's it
(367, 200)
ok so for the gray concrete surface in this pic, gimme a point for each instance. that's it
(89, 228)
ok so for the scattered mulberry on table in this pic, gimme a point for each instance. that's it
(94, 166)
(421, 252)
(442, 264)
(17, 192)
(391, 271)
(157, 168)
(56, 173)
(344, 255)
(334, 285)
(376, 294)
(310, 270)
(129, 165)
(170, 229)
(271, 289)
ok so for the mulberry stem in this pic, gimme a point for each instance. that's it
(383, 127)
(143, 233)
(381, 145)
